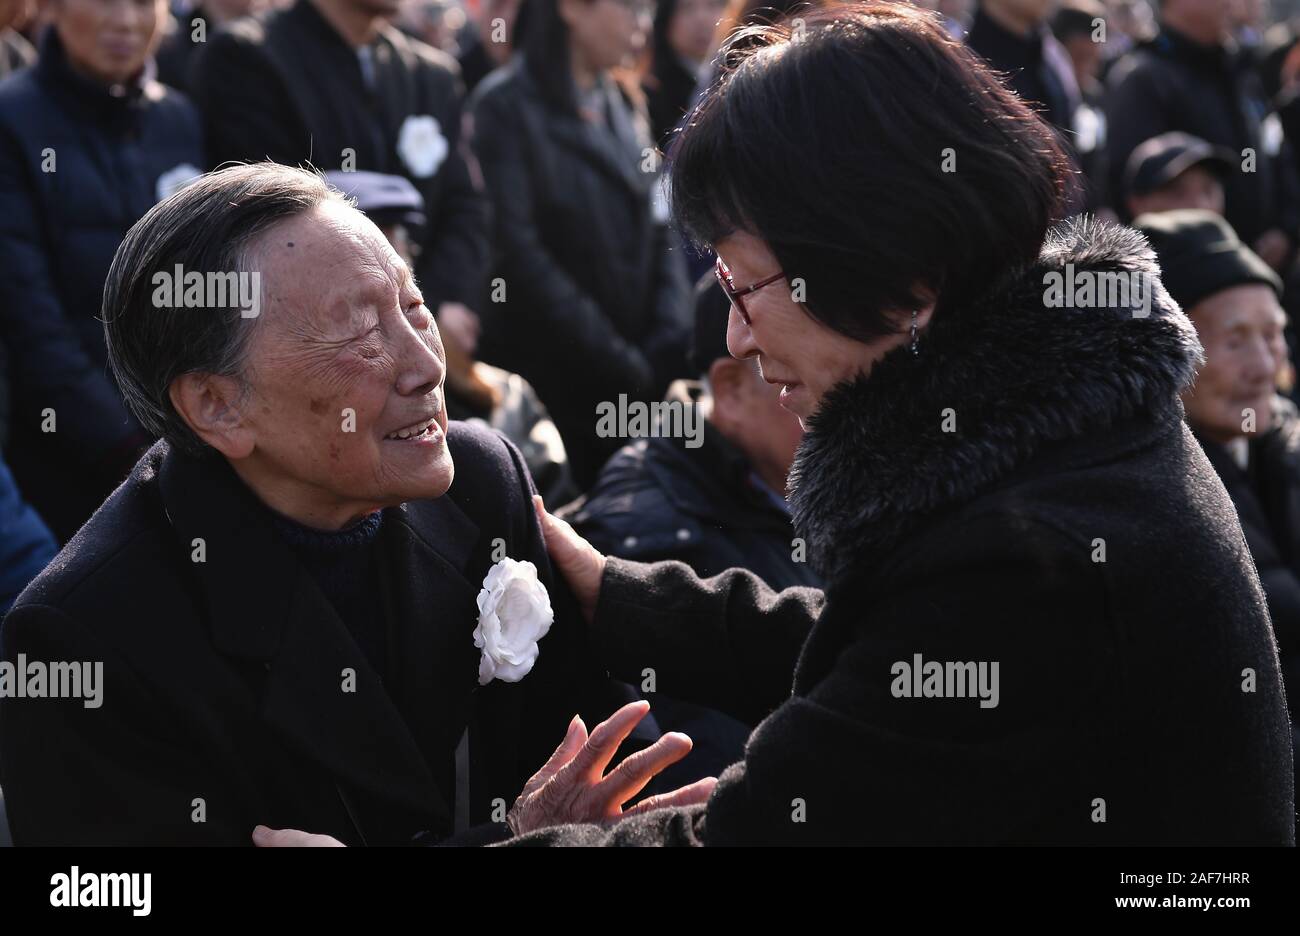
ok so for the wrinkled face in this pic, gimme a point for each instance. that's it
(606, 34)
(1196, 187)
(1241, 331)
(795, 352)
(109, 40)
(749, 413)
(346, 357)
(690, 31)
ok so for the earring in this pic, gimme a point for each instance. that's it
(914, 348)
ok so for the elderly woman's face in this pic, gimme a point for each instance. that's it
(794, 350)
(346, 371)
(109, 40)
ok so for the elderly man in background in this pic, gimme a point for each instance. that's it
(1250, 434)
(301, 621)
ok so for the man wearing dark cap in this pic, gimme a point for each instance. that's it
(1250, 434)
(1176, 170)
(716, 506)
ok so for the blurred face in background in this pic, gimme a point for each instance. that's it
(605, 34)
(1241, 331)
(1023, 15)
(1085, 56)
(387, 8)
(690, 31)
(224, 10)
(747, 411)
(1196, 187)
(109, 40)
(13, 13)
(1208, 22)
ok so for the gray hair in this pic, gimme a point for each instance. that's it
(211, 227)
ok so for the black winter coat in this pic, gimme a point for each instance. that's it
(285, 86)
(1068, 528)
(1267, 497)
(592, 301)
(79, 165)
(222, 679)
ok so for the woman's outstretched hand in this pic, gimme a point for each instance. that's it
(579, 562)
(573, 787)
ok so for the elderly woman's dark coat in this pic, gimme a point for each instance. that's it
(1024, 492)
(79, 164)
(223, 692)
(590, 297)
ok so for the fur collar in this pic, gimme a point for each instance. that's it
(1016, 375)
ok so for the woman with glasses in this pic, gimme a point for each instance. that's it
(588, 300)
(1041, 622)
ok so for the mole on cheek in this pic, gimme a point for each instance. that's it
(317, 406)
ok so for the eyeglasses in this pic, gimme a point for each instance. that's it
(728, 284)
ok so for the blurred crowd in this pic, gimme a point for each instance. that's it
(512, 151)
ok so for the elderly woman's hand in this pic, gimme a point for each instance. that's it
(264, 837)
(572, 786)
(579, 562)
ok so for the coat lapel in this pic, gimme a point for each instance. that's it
(263, 607)
(433, 604)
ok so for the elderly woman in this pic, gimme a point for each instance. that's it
(1041, 622)
(290, 614)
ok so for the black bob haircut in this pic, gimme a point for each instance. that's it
(878, 159)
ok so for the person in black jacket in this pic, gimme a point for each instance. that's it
(329, 83)
(189, 33)
(316, 603)
(88, 143)
(1250, 434)
(1192, 77)
(589, 300)
(1041, 621)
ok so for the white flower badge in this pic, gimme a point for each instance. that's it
(421, 145)
(514, 612)
(175, 179)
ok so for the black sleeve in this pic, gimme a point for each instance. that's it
(729, 642)
(116, 774)
(848, 762)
